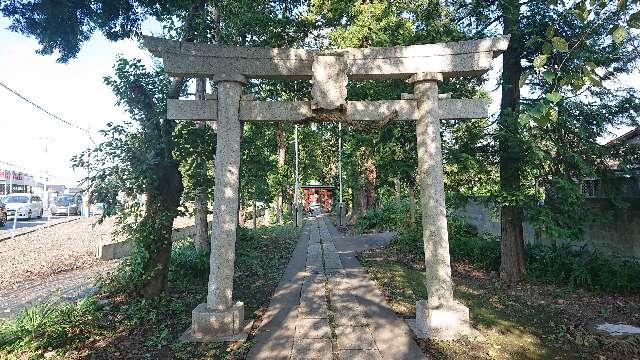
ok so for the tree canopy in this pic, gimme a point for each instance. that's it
(561, 95)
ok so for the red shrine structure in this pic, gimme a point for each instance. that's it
(318, 194)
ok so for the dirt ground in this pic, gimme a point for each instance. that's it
(529, 321)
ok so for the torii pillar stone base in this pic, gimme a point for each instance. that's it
(440, 316)
(341, 218)
(219, 319)
(209, 325)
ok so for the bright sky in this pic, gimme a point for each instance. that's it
(76, 93)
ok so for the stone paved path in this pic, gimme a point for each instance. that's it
(326, 307)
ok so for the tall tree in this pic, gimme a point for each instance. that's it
(555, 105)
(510, 147)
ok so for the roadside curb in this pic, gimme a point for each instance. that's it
(36, 228)
(120, 249)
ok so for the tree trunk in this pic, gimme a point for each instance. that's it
(369, 173)
(200, 199)
(282, 146)
(398, 189)
(412, 205)
(512, 244)
(356, 205)
(157, 226)
(164, 191)
(255, 214)
(240, 215)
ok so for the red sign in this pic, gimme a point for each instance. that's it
(6, 175)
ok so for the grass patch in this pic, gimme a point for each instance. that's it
(533, 321)
(51, 324)
(120, 326)
(553, 265)
(403, 285)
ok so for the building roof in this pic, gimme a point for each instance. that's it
(317, 186)
(625, 137)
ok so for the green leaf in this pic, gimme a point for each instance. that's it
(595, 81)
(534, 39)
(551, 30)
(553, 114)
(540, 60)
(622, 4)
(590, 65)
(634, 20)
(523, 78)
(581, 11)
(542, 121)
(523, 119)
(549, 75)
(539, 110)
(547, 48)
(619, 34)
(560, 44)
(554, 97)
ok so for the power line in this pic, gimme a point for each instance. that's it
(45, 111)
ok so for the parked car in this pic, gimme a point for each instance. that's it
(3, 214)
(23, 205)
(68, 204)
(97, 209)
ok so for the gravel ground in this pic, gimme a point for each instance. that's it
(54, 250)
(59, 261)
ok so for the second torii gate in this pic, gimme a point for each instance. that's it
(440, 316)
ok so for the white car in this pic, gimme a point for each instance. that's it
(25, 206)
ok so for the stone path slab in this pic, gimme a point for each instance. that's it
(325, 306)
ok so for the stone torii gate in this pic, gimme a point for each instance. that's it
(440, 316)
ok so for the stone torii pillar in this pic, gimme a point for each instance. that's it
(219, 319)
(440, 316)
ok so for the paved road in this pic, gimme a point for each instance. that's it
(21, 224)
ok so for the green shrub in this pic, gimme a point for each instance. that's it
(187, 262)
(51, 324)
(387, 217)
(479, 249)
(465, 244)
(563, 264)
(582, 269)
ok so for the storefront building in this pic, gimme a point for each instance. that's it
(14, 182)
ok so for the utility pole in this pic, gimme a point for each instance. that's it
(296, 214)
(340, 204)
(85, 198)
(45, 172)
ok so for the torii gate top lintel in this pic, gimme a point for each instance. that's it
(462, 58)
(329, 71)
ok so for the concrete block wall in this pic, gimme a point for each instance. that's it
(484, 216)
(118, 250)
(617, 235)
